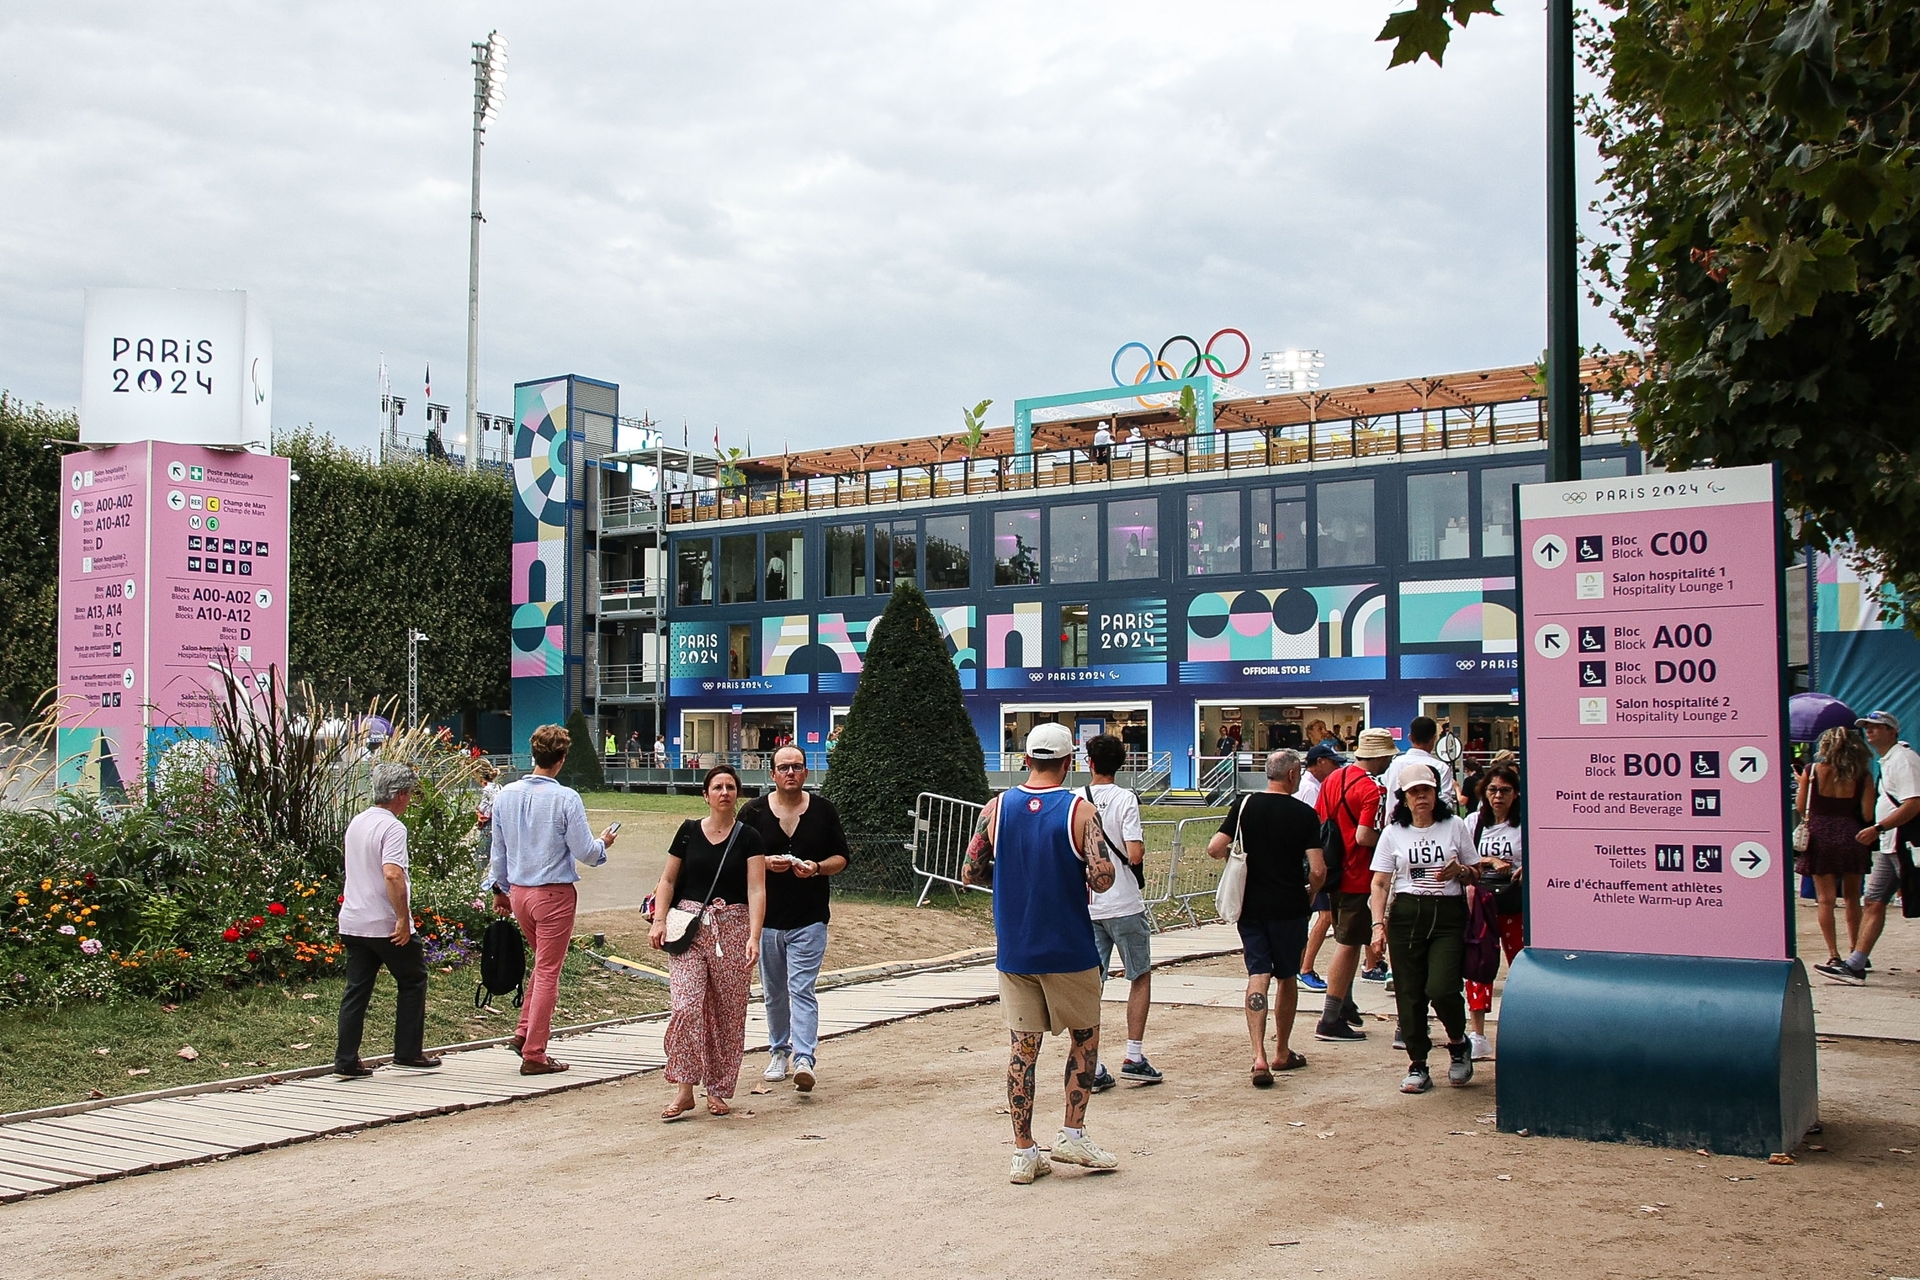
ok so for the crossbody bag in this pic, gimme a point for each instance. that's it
(684, 926)
(1118, 855)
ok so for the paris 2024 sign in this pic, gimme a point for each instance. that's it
(1655, 717)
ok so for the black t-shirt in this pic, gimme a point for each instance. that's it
(1277, 833)
(794, 903)
(699, 860)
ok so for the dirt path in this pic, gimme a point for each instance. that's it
(862, 933)
(896, 1166)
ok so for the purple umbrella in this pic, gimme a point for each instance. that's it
(1811, 714)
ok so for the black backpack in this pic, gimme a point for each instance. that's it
(1333, 845)
(503, 964)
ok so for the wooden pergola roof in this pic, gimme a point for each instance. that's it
(1372, 400)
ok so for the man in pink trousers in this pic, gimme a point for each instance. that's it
(540, 838)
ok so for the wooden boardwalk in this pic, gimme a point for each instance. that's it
(118, 1139)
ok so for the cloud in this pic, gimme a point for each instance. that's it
(811, 223)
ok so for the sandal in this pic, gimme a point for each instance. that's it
(1262, 1077)
(718, 1107)
(674, 1110)
(1294, 1062)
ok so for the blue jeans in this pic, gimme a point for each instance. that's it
(789, 965)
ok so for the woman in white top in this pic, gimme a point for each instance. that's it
(1495, 827)
(1425, 858)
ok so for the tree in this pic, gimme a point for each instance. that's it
(1423, 31)
(1762, 194)
(582, 770)
(908, 729)
(32, 442)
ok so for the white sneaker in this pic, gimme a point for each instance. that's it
(1482, 1047)
(803, 1074)
(776, 1069)
(1027, 1167)
(1083, 1151)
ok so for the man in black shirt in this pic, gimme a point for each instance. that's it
(805, 845)
(1285, 869)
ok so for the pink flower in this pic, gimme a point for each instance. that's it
(92, 946)
(68, 929)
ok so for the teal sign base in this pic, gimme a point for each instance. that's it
(1672, 1051)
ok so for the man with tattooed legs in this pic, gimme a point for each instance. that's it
(1039, 846)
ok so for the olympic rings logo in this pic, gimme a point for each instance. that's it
(1158, 366)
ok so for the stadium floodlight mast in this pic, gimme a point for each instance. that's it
(1293, 369)
(489, 90)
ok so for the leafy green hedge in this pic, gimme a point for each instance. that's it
(32, 440)
(377, 549)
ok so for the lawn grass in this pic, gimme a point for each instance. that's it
(50, 1056)
(645, 802)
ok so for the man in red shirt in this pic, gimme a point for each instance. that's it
(1351, 798)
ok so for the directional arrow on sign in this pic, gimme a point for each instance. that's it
(1751, 859)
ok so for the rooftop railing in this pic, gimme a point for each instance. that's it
(1222, 450)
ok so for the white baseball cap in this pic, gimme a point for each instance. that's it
(1416, 775)
(1050, 742)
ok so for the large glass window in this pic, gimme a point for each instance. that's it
(1213, 533)
(785, 579)
(894, 558)
(739, 568)
(693, 572)
(949, 554)
(1133, 538)
(1437, 521)
(1073, 544)
(1344, 522)
(1496, 505)
(1016, 548)
(1603, 468)
(846, 560)
(1073, 635)
(1279, 528)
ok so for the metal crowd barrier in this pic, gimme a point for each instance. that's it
(942, 827)
(1194, 876)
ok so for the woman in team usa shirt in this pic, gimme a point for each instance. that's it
(1423, 862)
(1496, 834)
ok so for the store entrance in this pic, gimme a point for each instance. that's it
(1485, 725)
(745, 739)
(1132, 724)
(1252, 729)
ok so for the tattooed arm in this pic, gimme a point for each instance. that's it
(978, 867)
(1092, 847)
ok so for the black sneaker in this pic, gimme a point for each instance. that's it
(1844, 972)
(1354, 1018)
(1142, 1071)
(1103, 1079)
(1337, 1031)
(354, 1071)
(1376, 974)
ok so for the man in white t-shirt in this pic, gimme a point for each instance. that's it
(376, 926)
(1420, 737)
(1897, 805)
(1120, 913)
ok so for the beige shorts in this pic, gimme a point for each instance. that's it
(1053, 1002)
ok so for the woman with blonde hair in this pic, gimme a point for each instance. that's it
(716, 869)
(1835, 801)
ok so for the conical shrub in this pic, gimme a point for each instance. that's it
(908, 729)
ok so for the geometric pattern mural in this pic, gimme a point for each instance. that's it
(538, 661)
(1287, 622)
(1458, 615)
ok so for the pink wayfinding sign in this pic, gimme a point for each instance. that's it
(1651, 669)
(173, 562)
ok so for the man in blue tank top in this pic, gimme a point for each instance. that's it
(1042, 845)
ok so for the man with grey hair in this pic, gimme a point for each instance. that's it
(1285, 869)
(376, 926)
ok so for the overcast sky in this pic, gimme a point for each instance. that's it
(812, 223)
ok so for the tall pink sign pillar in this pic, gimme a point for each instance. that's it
(173, 537)
(1659, 998)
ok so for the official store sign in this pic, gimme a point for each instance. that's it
(187, 366)
(1651, 617)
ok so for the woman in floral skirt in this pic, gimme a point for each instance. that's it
(722, 863)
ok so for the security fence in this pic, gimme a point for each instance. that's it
(1179, 876)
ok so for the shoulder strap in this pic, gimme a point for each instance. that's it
(724, 851)
(1100, 821)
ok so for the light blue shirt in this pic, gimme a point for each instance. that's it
(540, 833)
